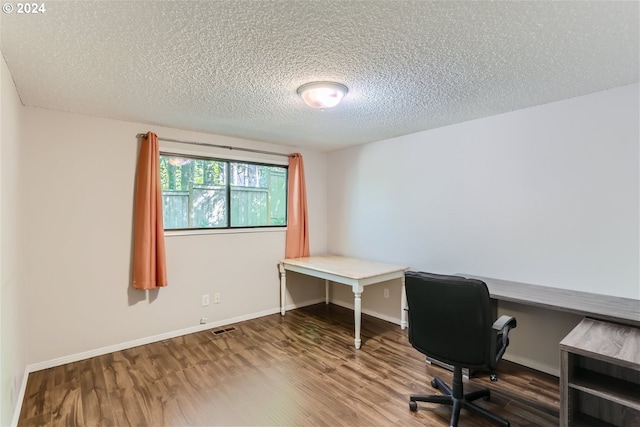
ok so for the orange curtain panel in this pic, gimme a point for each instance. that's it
(149, 264)
(297, 244)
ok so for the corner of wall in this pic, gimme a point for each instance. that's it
(13, 349)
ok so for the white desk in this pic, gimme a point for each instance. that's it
(356, 273)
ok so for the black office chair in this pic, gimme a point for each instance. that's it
(450, 320)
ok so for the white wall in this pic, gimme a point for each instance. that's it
(546, 195)
(79, 188)
(13, 324)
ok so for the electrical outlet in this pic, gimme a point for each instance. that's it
(386, 293)
(205, 300)
(216, 298)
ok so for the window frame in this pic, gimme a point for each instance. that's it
(228, 228)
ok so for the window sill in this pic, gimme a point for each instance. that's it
(171, 233)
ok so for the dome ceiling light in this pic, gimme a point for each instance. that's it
(322, 94)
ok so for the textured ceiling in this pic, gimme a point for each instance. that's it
(233, 67)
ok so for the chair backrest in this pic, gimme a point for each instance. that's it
(450, 319)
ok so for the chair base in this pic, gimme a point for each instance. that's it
(457, 399)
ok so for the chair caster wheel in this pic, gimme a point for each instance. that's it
(493, 377)
(413, 406)
(486, 398)
(434, 384)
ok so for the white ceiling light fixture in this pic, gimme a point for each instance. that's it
(322, 94)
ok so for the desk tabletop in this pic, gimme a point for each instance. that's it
(352, 268)
(616, 309)
(605, 341)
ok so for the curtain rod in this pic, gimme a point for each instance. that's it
(228, 147)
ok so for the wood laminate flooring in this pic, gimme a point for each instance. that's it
(296, 370)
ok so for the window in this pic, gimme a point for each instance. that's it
(201, 192)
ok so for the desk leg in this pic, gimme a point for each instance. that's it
(357, 314)
(326, 291)
(403, 305)
(283, 289)
(494, 308)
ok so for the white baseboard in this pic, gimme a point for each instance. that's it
(160, 337)
(533, 364)
(303, 304)
(142, 341)
(524, 361)
(21, 393)
(375, 314)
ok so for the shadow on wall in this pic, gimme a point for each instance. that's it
(134, 296)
